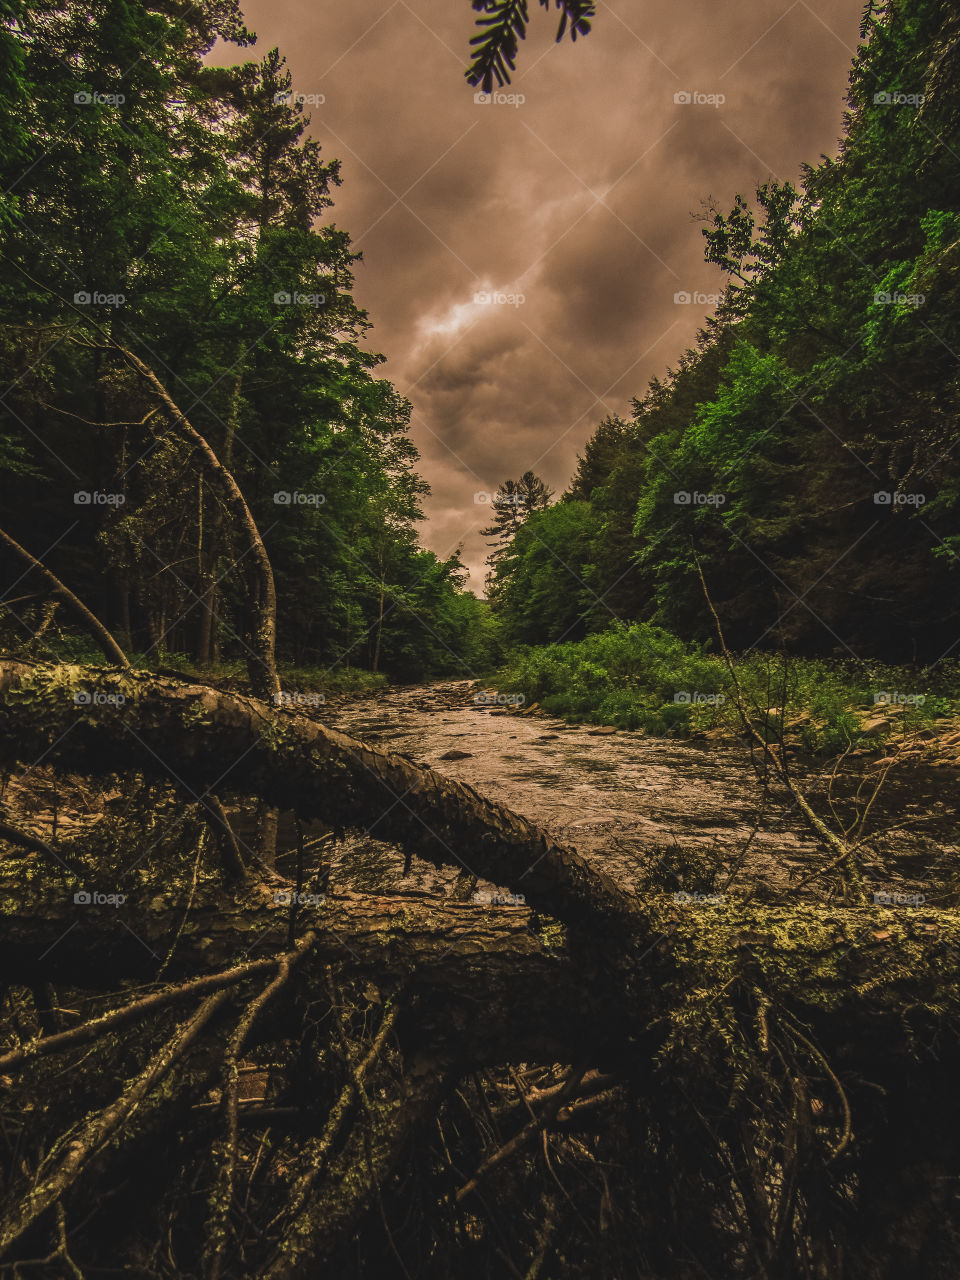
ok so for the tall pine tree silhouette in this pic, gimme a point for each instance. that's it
(512, 503)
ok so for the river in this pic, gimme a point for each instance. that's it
(620, 797)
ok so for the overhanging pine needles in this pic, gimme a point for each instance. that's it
(504, 24)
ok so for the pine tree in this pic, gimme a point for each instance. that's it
(512, 503)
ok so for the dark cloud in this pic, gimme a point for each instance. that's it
(579, 199)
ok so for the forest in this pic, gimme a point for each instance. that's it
(806, 449)
(598, 923)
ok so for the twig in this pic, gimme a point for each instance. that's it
(779, 765)
(186, 911)
(316, 1151)
(573, 1079)
(847, 1117)
(93, 1029)
(222, 1195)
(69, 1156)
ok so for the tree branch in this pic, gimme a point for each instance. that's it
(111, 650)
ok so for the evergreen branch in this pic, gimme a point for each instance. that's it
(504, 24)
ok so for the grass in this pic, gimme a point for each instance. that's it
(642, 677)
(293, 679)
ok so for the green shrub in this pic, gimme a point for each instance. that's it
(631, 676)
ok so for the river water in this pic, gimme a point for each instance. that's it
(621, 798)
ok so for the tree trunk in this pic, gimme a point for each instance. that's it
(261, 663)
(375, 665)
(488, 983)
(268, 823)
(206, 584)
(728, 1029)
(111, 650)
(532, 998)
(852, 957)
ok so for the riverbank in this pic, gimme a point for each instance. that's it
(642, 677)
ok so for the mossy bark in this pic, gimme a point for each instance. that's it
(196, 732)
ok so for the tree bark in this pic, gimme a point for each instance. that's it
(486, 977)
(261, 663)
(479, 979)
(866, 998)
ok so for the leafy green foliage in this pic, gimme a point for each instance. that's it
(540, 588)
(513, 502)
(643, 677)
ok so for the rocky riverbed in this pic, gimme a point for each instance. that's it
(627, 801)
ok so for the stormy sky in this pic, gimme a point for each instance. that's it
(522, 257)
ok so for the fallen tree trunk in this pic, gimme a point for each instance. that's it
(819, 956)
(225, 740)
(480, 978)
(511, 987)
